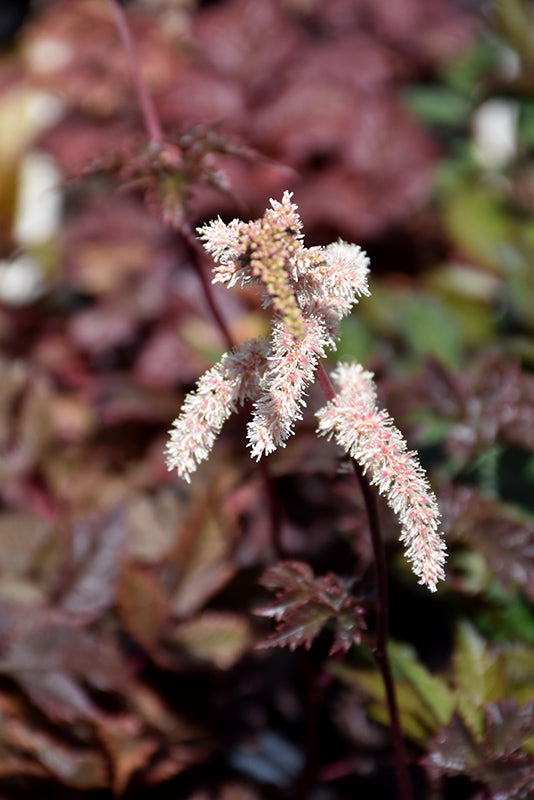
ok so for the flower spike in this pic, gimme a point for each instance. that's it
(309, 291)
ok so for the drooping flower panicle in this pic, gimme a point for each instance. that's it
(309, 291)
(369, 436)
(227, 385)
(291, 366)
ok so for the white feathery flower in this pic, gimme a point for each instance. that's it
(219, 391)
(221, 239)
(331, 281)
(356, 381)
(369, 436)
(309, 291)
(292, 364)
(347, 271)
(202, 417)
(224, 242)
(286, 214)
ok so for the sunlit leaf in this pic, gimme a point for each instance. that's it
(478, 223)
(417, 719)
(218, 637)
(477, 675)
(432, 691)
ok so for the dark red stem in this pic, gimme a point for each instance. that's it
(382, 613)
(382, 632)
(195, 254)
(146, 104)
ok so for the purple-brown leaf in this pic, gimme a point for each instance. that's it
(496, 530)
(497, 761)
(303, 604)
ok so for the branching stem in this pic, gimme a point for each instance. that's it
(209, 295)
(155, 135)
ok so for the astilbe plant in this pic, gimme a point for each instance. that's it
(309, 291)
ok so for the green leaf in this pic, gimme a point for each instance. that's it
(429, 328)
(478, 224)
(465, 73)
(425, 702)
(477, 675)
(422, 320)
(514, 21)
(438, 105)
(507, 617)
(220, 637)
(356, 341)
(518, 664)
(416, 722)
(430, 689)
(468, 294)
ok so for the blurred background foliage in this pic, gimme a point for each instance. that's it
(127, 635)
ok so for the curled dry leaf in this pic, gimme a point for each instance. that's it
(77, 768)
(53, 658)
(128, 746)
